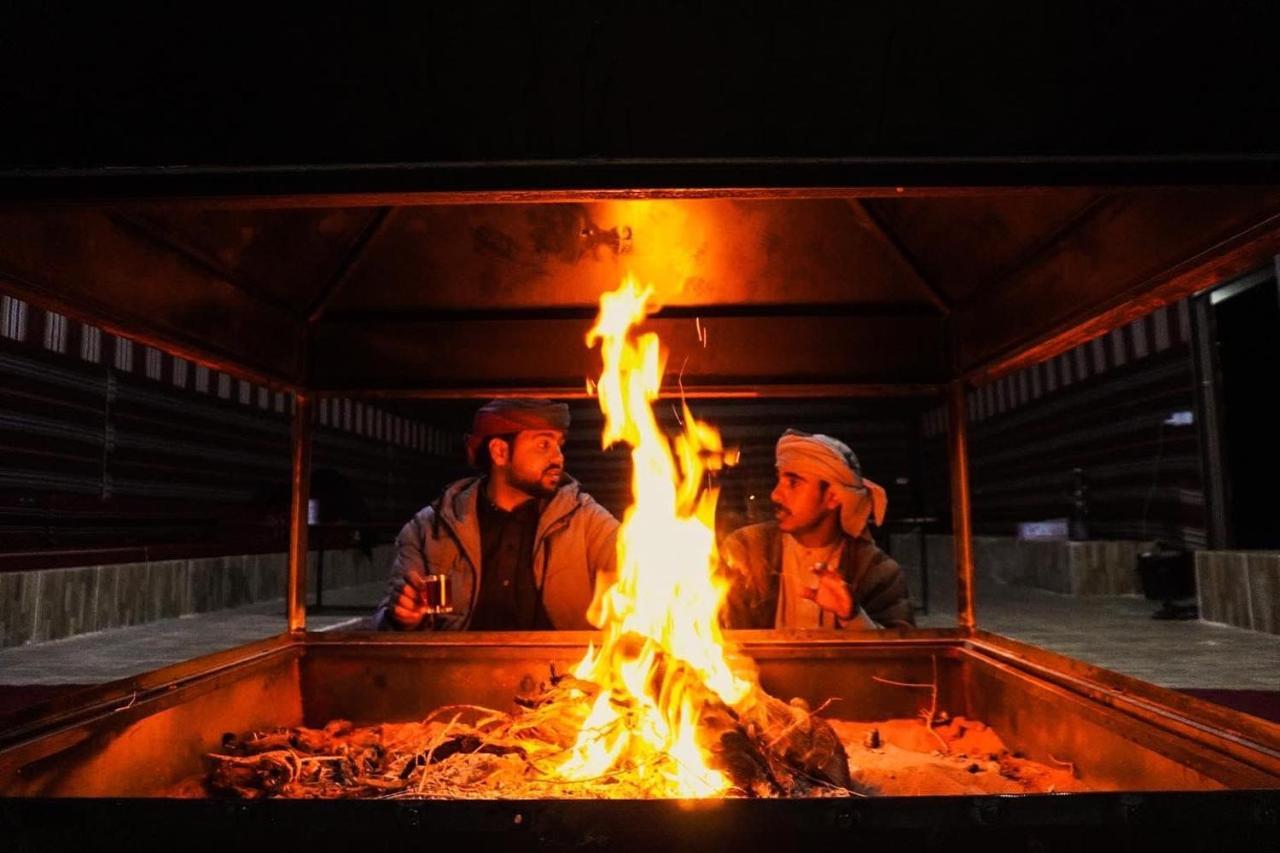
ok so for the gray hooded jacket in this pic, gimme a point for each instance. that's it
(575, 547)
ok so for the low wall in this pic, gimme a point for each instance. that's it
(51, 604)
(1100, 567)
(1237, 588)
(1240, 588)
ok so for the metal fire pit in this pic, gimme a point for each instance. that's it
(1173, 769)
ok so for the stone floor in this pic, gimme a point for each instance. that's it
(108, 655)
(1118, 633)
(1113, 632)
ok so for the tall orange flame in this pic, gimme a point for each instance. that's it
(662, 656)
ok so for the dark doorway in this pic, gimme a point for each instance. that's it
(1244, 321)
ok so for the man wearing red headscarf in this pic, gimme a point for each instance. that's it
(520, 547)
(816, 566)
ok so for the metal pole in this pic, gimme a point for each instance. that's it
(1208, 399)
(961, 534)
(924, 569)
(297, 591)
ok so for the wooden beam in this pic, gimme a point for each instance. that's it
(1138, 254)
(181, 346)
(877, 229)
(669, 391)
(1234, 258)
(303, 200)
(961, 514)
(299, 496)
(746, 352)
(99, 273)
(1044, 247)
(167, 240)
(758, 312)
(575, 180)
(375, 226)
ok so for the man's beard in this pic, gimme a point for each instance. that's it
(537, 487)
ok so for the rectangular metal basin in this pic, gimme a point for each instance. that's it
(1164, 764)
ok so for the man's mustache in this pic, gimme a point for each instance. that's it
(554, 469)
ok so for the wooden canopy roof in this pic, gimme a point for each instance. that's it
(830, 291)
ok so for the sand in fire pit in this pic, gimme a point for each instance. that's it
(899, 757)
(909, 761)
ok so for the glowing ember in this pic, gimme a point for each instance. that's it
(663, 657)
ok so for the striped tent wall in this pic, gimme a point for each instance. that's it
(93, 416)
(1119, 407)
(106, 441)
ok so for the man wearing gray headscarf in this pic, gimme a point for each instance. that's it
(816, 566)
(519, 547)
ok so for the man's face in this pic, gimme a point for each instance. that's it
(801, 502)
(535, 464)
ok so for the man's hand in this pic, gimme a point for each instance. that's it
(832, 593)
(408, 600)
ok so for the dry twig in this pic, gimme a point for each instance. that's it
(932, 713)
(426, 764)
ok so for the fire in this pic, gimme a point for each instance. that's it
(662, 660)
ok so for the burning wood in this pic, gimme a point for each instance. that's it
(472, 752)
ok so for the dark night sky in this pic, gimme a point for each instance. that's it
(115, 86)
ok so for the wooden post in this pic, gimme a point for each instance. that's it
(961, 534)
(300, 493)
